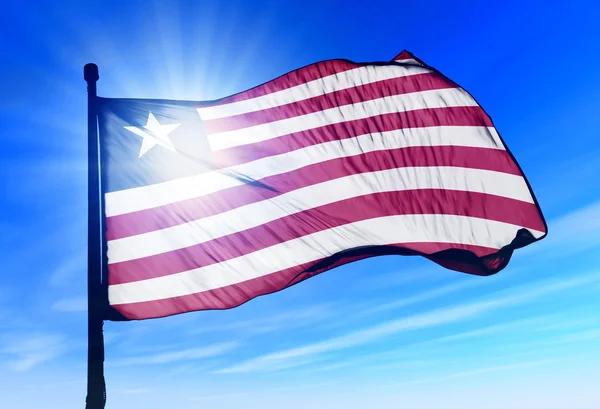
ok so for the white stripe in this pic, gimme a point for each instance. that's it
(255, 214)
(380, 231)
(411, 61)
(438, 98)
(320, 86)
(150, 196)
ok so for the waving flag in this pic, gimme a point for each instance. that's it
(210, 204)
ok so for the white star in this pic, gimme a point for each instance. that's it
(158, 134)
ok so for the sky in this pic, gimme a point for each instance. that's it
(383, 333)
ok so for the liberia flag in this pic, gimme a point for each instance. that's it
(210, 204)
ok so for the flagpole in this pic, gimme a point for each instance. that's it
(95, 371)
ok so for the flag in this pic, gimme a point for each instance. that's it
(211, 204)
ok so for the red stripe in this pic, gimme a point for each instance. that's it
(453, 116)
(173, 214)
(426, 201)
(404, 55)
(294, 78)
(237, 294)
(357, 94)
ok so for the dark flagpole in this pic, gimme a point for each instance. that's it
(96, 397)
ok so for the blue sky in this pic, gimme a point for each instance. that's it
(388, 332)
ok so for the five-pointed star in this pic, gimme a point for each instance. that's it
(158, 134)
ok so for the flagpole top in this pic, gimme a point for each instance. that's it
(90, 73)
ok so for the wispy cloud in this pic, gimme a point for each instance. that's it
(133, 391)
(267, 362)
(280, 390)
(275, 322)
(179, 355)
(219, 396)
(420, 321)
(575, 232)
(406, 365)
(479, 371)
(185, 369)
(27, 351)
(330, 367)
(578, 336)
(306, 386)
(58, 385)
(570, 339)
(71, 268)
(73, 304)
(488, 330)
(390, 357)
(426, 296)
(403, 277)
(110, 337)
(571, 324)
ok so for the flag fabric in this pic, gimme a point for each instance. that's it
(211, 204)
